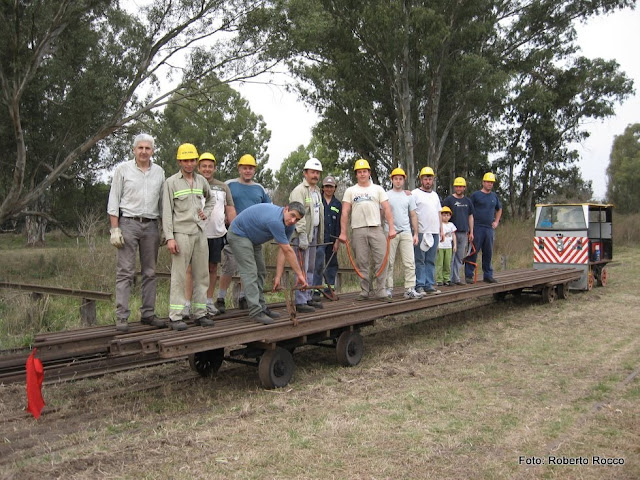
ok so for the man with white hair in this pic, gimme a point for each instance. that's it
(134, 209)
(309, 229)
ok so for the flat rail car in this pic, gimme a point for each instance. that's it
(236, 338)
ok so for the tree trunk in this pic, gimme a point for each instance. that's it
(36, 225)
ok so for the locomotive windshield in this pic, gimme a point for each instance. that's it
(561, 217)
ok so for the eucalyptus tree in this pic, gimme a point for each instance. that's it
(407, 82)
(290, 172)
(74, 72)
(547, 109)
(623, 172)
(217, 120)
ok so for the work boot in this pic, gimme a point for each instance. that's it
(242, 303)
(304, 308)
(122, 325)
(263, 318)
(316, 296)
(271, 313)
(314, 304)
(153, 321)
(386, 299)
(470, 280)
(220, 305)
(490, 280)
(432, 291)
(178, 325)
(204, 322)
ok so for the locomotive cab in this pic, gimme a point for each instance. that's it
(578, 235)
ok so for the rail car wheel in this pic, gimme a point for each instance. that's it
(349, 349)
(275, 368)
(590, 280)
(500, 296)
(548, 294)
(602, 277)
(207, 363)
(563, 291)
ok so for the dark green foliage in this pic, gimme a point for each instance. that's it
(623, 171)
(450, 85)
(74, 72)
(218, 121)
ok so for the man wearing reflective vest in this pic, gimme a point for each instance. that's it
(183, 221)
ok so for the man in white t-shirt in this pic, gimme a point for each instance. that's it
(364, 201)
(429, 224)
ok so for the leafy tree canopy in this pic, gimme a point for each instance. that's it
(219, 121)
(74, 72)
(623, 172)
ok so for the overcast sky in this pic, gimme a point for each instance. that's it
(614, 36)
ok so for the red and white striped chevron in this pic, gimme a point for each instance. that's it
(561, 250)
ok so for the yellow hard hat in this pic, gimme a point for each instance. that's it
(459, 182)
(398, 171)
(207, 156)
(361, 164)
(187, 151)
(446, 210)
(489, 177)
(427, 171)
(247, 159)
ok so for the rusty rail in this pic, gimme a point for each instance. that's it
(99, 350)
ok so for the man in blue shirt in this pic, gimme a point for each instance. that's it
(245, 193)
(254, 226)
(487, 211)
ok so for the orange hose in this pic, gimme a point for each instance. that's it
(384, 260)
(475, 265)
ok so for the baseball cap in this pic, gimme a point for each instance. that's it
(329, 180)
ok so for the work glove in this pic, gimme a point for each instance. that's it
(303, 242)
(117, 240)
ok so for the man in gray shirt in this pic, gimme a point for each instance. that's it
(134, 209)
(405, 219)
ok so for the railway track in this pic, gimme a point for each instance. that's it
(95, 351)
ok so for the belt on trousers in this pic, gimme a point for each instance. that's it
(141, 219)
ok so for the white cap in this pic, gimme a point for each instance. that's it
(427, 242)
(313, 164)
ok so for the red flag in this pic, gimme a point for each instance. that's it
(35, 376)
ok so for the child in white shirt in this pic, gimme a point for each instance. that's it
(446, 248)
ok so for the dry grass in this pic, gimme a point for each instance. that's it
(457, 396)
(76, 263)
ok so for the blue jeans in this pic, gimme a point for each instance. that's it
(483, 241)
(323, 254)
(426, 262)
(307, 259)
(462, 240)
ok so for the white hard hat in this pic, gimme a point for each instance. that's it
(427, 242)
(313, 164)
